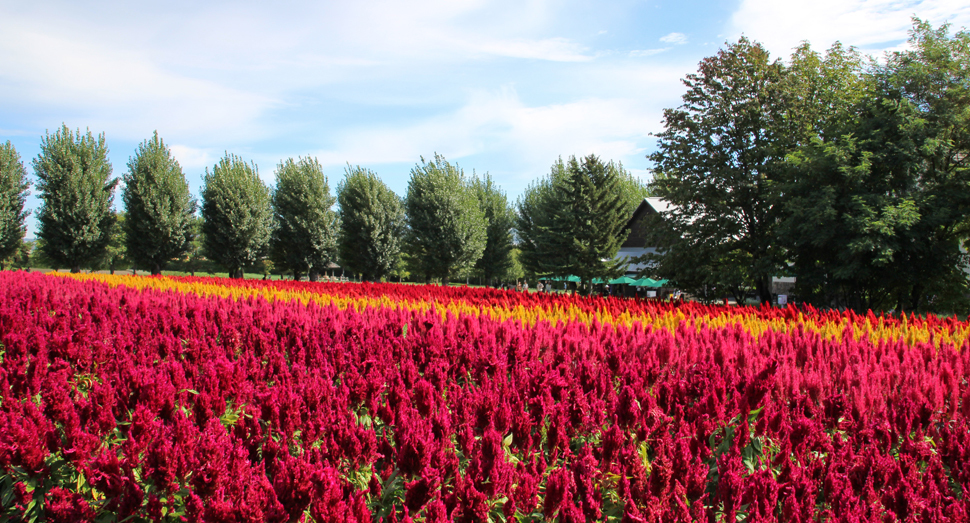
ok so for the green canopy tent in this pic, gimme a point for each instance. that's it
(623, 280)
(571, 279)
(650, 282)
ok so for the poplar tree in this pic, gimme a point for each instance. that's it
(158, 205)
(305, 235)
(236, 216)
(372, 224)
(76, 188)
(446, 232)
(13, 193)
(496, 259)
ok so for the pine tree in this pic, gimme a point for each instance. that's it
(75, 218)
(159, 207)
(572, 221)
(591, 218)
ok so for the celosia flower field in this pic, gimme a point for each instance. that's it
(170, 399)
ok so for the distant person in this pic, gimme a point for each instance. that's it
(525, 286)
(540, 286)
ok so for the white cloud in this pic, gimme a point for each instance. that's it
(532, 137)
(647, 52)
(674, 38)
(116, 88)
(553, 49)
(193, 158)
(873, 25)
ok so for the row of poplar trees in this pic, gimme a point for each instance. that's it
(448, 224)
(849, 173)
(570, 222)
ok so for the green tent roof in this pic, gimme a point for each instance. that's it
(650, 282)
(623, 280)
(574, 279)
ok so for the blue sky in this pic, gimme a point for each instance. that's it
(499, 86)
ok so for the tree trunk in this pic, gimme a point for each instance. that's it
(75, 269)
(314, 276)
(915, 298)
(445, 281)
(156, 269)
(763, 286)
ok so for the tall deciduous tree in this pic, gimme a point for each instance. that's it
(158, 205)
(718, 158)
(496, 259)
(446, 232)
(877, 209)
(372, 224)
(305, 237)
(539, 251)
(13, 194)
(236, 215)
(76, 188)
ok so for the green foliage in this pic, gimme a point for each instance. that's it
(115, 256)
(496, 260)
(75, 217)
(534, 223)
(572, 221)
(236, 216)
(159, 207)
(305, 237)
(372, 225)
(590, 219)
(447, 228)
(718, 160)
(878, 198)
(13, 193)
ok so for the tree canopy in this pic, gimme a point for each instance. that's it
(76, 188)
(236, 216)
(718, 159)
(158, 207)
(446, 225)
(13, 194)
(372, 224)
(496, 260)
(573, 221)
(304, 239)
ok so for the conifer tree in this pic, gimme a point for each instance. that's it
(591, 218)
(572, 222)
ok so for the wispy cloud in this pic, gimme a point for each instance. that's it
(674, 38)
(638, 53)
(872, 25)
(532, 137)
